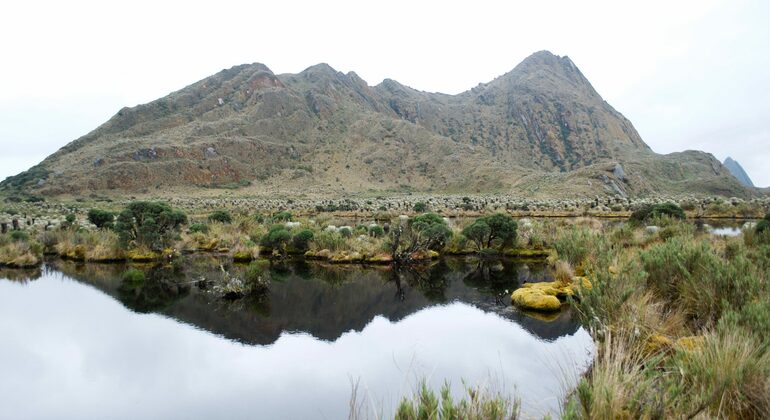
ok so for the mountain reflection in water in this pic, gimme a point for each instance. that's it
(324, 300)
(69, 350)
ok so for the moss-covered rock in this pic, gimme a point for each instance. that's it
(535, 299)
(528, 253)
(547, 296)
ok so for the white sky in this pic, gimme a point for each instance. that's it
(688, 74)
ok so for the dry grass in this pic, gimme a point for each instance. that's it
(20, 254)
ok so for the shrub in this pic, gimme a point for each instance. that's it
(70, 219)
(301, 239)
(498, 229)
(277, 238)
(101, 218)
(221, 216)
(763, 225)
(420, 207)
(431, 228)
(199, 227)
(19, 236)
(346, 232)
(478, 232)
(150, 224)
(376, 231)
(427, 231)
(647, 212)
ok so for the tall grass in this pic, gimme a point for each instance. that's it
(682, 325)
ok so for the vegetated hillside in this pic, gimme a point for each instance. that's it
(539, 130)
(737, 171)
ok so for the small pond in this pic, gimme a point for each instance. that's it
(76, 342)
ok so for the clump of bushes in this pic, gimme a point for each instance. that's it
(420, 207)
(763, 225)
(149, 224)
(648, 212)
(422, 233)
(198, 228)
(221, 216)
(102, 219)
(276, 239)
(498, 230)
(301, 240)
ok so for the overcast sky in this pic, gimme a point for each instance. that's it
(688, 74)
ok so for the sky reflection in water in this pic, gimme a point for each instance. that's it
(68, 350)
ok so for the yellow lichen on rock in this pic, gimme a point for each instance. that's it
(547, 296)
(535, 298)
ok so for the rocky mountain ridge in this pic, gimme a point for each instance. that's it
(538, 130)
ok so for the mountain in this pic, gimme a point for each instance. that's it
(538, 130)
(737, 171)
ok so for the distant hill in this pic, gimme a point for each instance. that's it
(539, 130)
(737, 171)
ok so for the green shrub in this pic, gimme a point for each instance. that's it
(198, 227)
(70, 219)
(221, 216)
(376, 231)
(101, 218)
(19, 236)
(277, 238)
(497, 230)
(346, 232)
(647, 212)
(420, 207)
(431, 228)
(150, 224)
(763, 225)
(301, 239)
(690, 275)
(478, 232)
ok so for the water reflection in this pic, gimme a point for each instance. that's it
(70, 351)
(324, 300)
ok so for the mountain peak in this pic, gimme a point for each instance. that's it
(737, 171)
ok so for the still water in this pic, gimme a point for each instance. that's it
(75, 342)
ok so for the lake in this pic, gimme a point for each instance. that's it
(76, 342)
